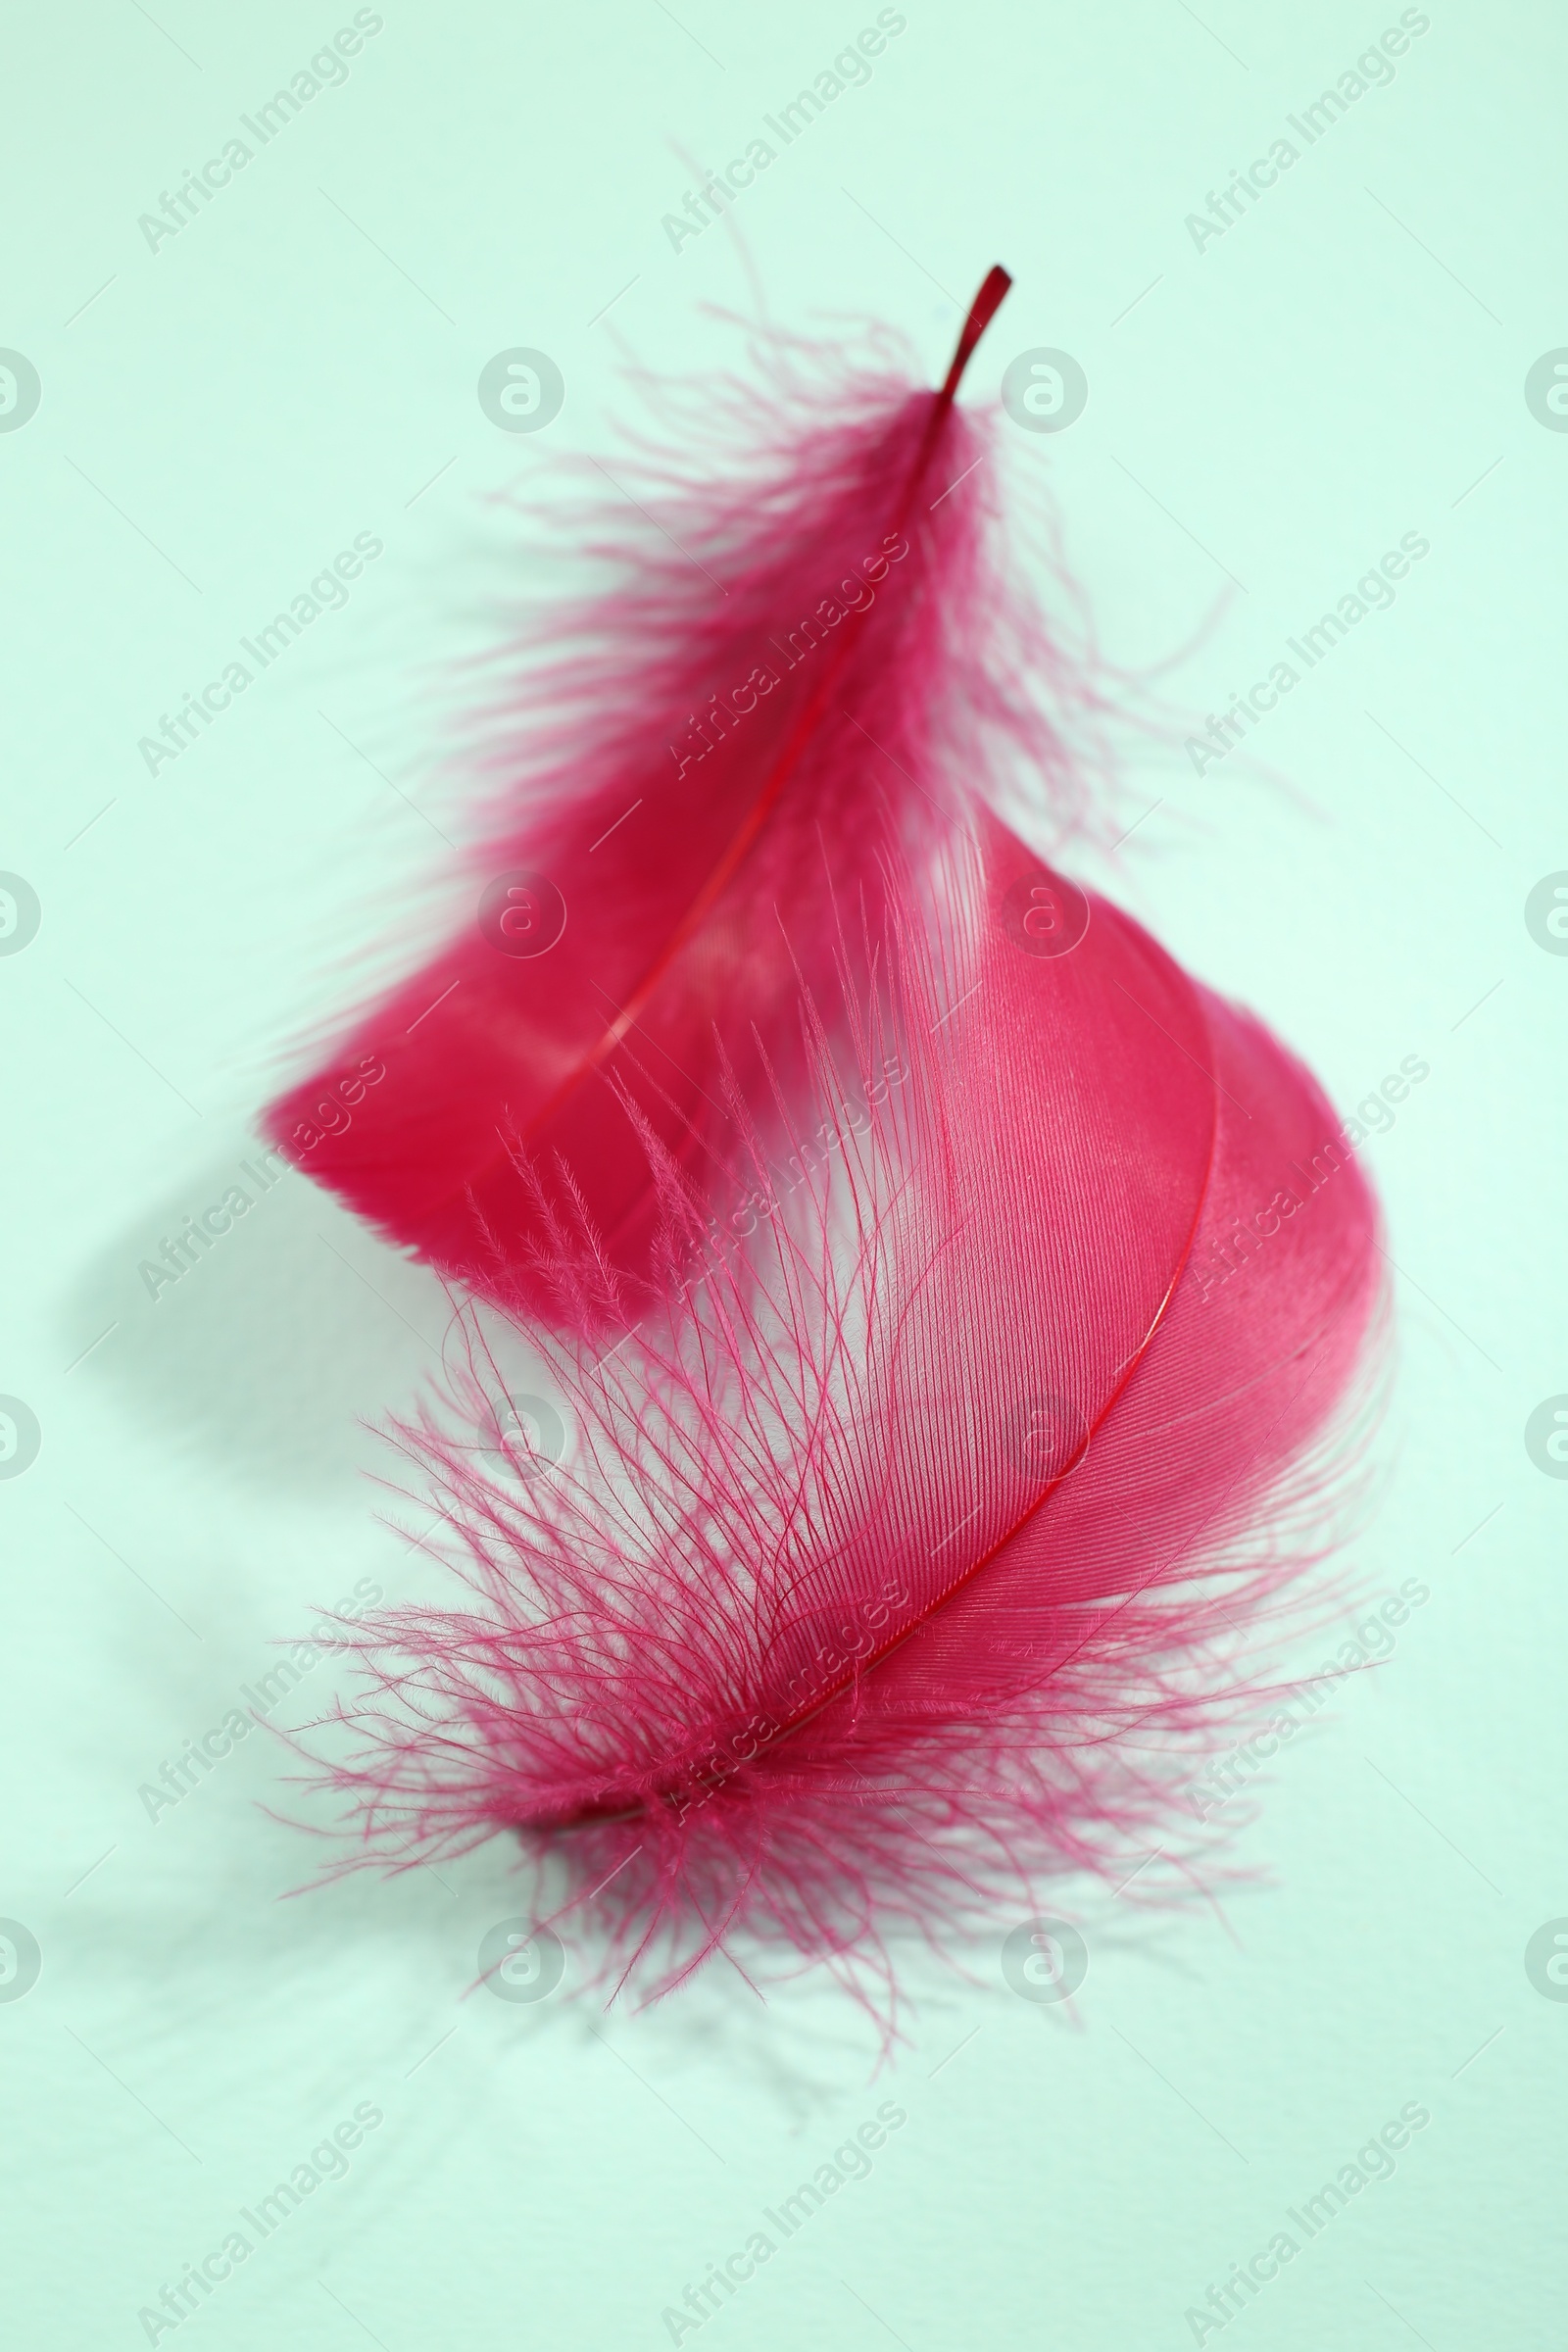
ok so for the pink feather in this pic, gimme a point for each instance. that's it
(809, 656)
(902, 1539)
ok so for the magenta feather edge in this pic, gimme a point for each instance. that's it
(946, 1470)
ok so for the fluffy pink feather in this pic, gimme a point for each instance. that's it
(808, 655)
(889, 1571)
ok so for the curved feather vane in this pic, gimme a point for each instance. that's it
(891, 1569)
(801, 665)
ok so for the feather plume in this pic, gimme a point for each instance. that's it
(809, 656)
(892, 1570)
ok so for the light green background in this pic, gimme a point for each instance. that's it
(298, 365)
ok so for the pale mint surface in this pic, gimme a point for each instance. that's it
(223, 411)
